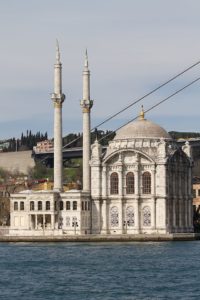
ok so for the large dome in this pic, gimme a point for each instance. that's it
(141, 128)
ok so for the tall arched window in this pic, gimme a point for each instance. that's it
(68, 205)
(130, 217)
(22, 205)
(114, 183)
(114, 216)
(47, 205)
(146, 183)
(15, 205)
(32, 206)
(146, 216)
(39, 205)
(61, 205)
(130, 183)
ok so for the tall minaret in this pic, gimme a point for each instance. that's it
(86, 105)
(58, 98)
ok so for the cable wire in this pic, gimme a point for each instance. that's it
(157, 104)
(138, 100)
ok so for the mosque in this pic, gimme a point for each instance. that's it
(142, 184)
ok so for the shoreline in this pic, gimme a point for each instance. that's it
(104, 238)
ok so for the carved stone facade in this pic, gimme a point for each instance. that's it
(142, 184)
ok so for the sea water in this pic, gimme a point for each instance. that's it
(148, 270)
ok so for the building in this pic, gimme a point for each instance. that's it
(43, 146)
(140, 185)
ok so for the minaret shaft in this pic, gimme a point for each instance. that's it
(58, 98)
(57, 79)
(86, 105)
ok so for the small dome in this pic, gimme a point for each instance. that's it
(141, 128)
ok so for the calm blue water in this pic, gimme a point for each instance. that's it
(167, 270)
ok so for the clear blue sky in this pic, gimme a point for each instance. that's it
(133, 46)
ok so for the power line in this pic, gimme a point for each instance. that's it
(138, 100)
(148, 94)
(157, 104)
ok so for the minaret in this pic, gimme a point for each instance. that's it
(86, 105)
(58, 98)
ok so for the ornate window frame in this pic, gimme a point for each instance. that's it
(130, 183)
(114, 183)
(146, 182)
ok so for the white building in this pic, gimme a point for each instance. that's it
(141, 184)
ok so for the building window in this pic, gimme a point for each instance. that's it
(21, 205)
(15, 205)
(146, 216)
(39, 205)
(67, 221)
(74, 205)
(61, 205)
(146, 183)
(199, 193)
(86, 206)
(194, 193)
(130, 183)
(68, 205)
(82, 205)
(47, 205)
(130, 217)
(32, 205)
(114, 182)
(114, 216)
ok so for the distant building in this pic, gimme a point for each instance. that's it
(44, 146)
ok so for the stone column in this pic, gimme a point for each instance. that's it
(137, 220)
(104, 182)
(86, 105)
(136, 182)
(120, 182)
(104, 216)
(58, 98)
(36, 222)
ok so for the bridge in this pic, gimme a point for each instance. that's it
(47, 158)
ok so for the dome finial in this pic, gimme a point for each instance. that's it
(142, 113)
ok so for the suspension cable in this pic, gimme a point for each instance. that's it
(136, 101)
(157, 104)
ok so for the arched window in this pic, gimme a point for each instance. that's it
(15, 205)
(130, 183)
(21, 205)
(61, 205)
(130, 217)
(114, 216)
(68, 205)
(74, 205)
(146, 183)
(32, 206)
(114, 183)
(146, 216)
(47, 205)
(39, 205)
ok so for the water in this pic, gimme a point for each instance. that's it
(125, 271)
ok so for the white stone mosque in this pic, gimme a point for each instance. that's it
(140, 185)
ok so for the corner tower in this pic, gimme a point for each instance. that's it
(58, 98)
(86, 105)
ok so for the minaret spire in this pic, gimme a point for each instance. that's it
(86, 59)
(58, 98)
(86, 105)
(57, 53)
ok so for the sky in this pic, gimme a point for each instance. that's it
(133, 47)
